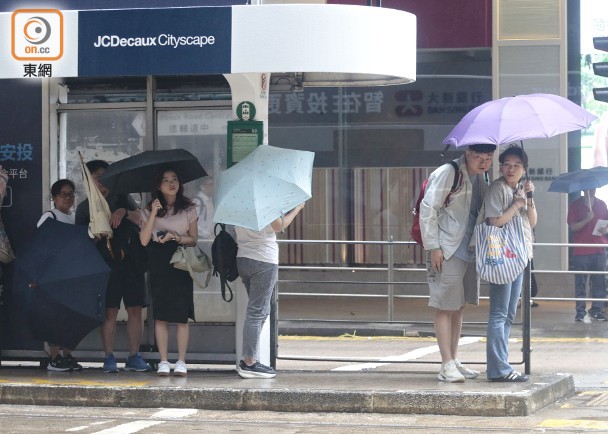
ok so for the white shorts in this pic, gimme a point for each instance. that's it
(453, 287)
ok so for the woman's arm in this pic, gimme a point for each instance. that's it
(518, 202)
(145, 235)
(280, 224)
(575, 227)
(532, 216)
(187, 240)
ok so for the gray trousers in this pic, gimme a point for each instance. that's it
(259, 279)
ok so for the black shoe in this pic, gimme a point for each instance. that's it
(74, 365)
(513, 377)
(599, 316)
(59, 364)
(534, 304)
(580, 317)
(257, 370)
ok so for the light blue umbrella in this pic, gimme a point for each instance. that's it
(264, 185)
(580, 180)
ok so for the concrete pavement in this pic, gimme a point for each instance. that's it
(318, 386)
(290, 391)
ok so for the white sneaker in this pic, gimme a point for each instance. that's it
(450, 373)
(164, 368)
(466, 372)
(181, 369)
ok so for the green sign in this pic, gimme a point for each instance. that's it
(243, 138)
(245, 111)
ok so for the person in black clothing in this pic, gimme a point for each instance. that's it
(127, 282)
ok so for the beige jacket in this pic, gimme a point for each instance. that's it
(444, 226)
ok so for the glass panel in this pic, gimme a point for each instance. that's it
(109, 135)
(203, 133)
(91, 90)
(370, 145)
(197, 88)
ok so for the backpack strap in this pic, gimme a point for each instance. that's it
(457, 176)
(457, 180)
(224, 285)
(53, 214)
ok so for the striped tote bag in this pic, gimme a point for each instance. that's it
(501, 253)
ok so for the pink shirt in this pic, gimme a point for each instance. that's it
(177, 223)
(577, 212)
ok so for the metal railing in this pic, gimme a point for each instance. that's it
(390, 295)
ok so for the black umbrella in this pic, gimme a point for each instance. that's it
(61, 279)
(135, 174)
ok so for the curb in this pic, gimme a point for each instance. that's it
(514, 402)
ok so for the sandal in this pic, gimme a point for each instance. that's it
(513, 377)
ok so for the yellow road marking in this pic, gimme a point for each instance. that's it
(349, 337)
(75, 382)
(564, 423)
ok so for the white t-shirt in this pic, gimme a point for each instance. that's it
(259, 245)
(64, 218)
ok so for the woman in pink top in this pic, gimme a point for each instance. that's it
(169, 220)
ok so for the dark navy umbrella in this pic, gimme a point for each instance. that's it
(60, 281)
(135, 174)
(580, 180)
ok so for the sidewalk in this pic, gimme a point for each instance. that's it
(290, 391)
(316, 386)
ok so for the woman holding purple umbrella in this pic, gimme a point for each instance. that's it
(507, 197)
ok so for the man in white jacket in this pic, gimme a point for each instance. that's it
(447, 221)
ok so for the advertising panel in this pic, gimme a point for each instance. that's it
(154, 41)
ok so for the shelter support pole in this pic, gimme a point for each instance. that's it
(252, 87)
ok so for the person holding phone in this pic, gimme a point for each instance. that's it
(507, 198)
(169, 220)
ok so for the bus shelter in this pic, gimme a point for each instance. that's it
(300, 45)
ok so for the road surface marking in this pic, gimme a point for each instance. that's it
(131, 427)
(174, 413)
(411, 355)
(65, 382)
(580, 424)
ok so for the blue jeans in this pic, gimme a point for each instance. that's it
(598, 281)
(503, 307)
(259, 279)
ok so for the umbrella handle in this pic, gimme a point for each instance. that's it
(444, 150)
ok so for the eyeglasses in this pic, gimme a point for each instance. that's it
(68, 195)
(483, 158)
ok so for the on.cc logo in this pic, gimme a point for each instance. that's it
(37, 30)
(37, 34)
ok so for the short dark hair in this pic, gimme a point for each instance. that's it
(517, 152)
(58, 185)
(483, 148)
(95, 165)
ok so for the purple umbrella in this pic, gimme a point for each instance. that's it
(517, 118)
